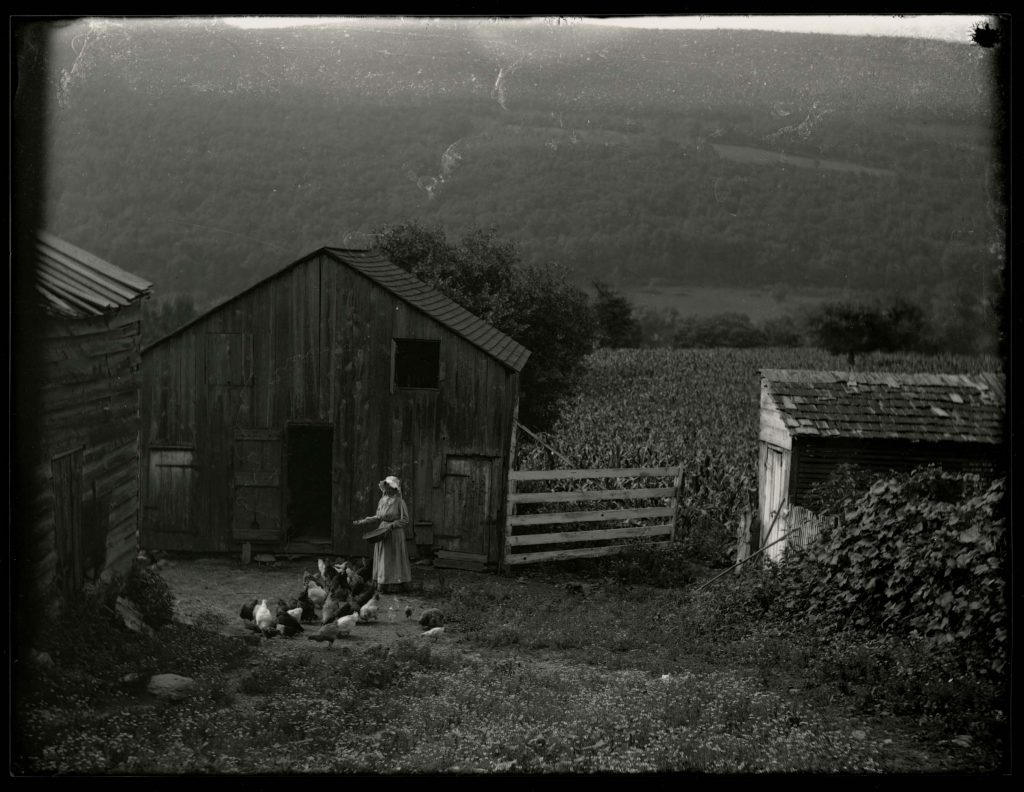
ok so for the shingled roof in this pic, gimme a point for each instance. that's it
(922, 407)
(74, 282)
(412, 290)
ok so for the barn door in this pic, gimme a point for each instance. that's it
(67, 504)
(257, 467)
(467, 495)
(169, 491)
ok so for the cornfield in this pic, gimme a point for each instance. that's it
(695, 407)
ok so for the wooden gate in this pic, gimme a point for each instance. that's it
(522, 532)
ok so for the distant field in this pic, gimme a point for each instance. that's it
(756, 156)
(758, 304)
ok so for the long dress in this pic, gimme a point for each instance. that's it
(390, 559)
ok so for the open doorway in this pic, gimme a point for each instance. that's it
(308, 481)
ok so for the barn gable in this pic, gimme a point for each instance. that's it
(412, 291)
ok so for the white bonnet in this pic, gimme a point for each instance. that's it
(392, 481)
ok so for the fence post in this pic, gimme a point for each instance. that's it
(743, 539)
(677, 483)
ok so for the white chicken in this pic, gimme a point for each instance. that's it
(346, 623)
(264, 618)
(435, 632)
(316, 594)
(368, 612)
(295, 613)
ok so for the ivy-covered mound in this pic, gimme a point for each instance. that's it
(921, 554)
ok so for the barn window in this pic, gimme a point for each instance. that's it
(416, 363)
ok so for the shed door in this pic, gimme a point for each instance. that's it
(169, 491)
(775, 484)
(67, 503)
(467, 496)
(257, 466)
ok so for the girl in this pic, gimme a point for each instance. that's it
(391, 569)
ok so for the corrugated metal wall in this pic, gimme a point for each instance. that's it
(315, 345)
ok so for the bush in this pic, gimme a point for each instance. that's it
(149, 592)
(920, 555)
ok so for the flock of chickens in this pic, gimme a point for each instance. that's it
(339, 597)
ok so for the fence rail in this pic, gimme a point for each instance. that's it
(556, 519)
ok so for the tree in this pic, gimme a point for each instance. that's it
(854, 328)
(537, 306)
(616, 326)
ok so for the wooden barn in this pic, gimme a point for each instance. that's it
(812, 421)
(269, 420)
(84, 518)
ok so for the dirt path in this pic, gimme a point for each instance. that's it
(211, 591)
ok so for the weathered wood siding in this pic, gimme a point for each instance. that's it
(814, 459)
(89, 403)
(314, 345)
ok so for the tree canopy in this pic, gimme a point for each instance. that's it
(536, 305)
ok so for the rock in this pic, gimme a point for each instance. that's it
(40, 658)
(171, 686)
(860, 734)
(129, 614)
(963, 740)
(132, 678)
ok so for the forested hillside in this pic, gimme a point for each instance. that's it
(205, 157)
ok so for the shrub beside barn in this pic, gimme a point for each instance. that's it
(813, 421)
(84, 503)
(269, 420)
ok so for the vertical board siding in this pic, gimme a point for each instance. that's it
(319, 349)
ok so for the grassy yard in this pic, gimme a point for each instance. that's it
(546, 671)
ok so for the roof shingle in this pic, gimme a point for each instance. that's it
(966, 408)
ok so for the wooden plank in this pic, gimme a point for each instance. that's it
(258, 434)
(542, 475)
(626, 532)
(453, 554)
(457, 563)
(590, 516)
(592, 495)
(562, 555)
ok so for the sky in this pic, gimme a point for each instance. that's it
(946, 27)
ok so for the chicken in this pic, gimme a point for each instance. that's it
(308, 609)
(431, 618)
(265, 619)
(288, 624)
(247, 610)
(366, 593)
(346, 623)
(332, 609)
(368, 612)
(316, 594)
(408, 611)
(295, 613)
(432, 633)
(280, 606)
(329, 633)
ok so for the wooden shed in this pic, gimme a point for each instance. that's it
(269, 420)
(84, 515)
(812, 421)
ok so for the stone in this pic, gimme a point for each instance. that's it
(131, 617)
(860, 734)
(41, 658)
(171, 686)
